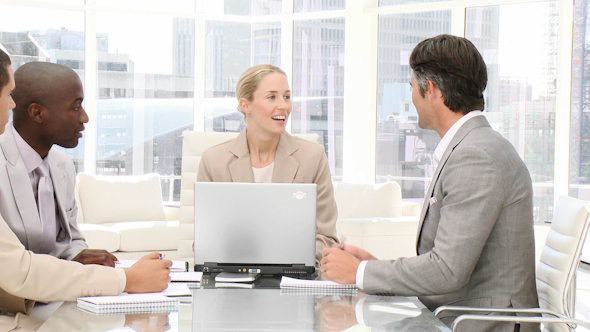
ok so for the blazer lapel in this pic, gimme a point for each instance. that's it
(478, 121)
(286, 166)
(241, 168)
(58, 177)
(23, 192)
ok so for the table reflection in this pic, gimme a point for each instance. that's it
(261, 310)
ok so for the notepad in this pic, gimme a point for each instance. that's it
(236, 277)
(319, 291)
(127, 303)
(293, 283)
(233, 285)
(186, 276)
(177, 266)
(176, 289)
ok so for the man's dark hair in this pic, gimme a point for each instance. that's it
(455, 67)
(4, 63)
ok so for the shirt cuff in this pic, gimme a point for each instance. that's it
(358, 310)
(122, 279)
(360, 275)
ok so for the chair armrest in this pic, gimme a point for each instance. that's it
(519, 319)
(505, 310)
(172, 212)
(410, 209)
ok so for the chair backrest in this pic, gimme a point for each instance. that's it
(368, 200)
(560, 258)
(194, 143)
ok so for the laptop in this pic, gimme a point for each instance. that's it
(267, 228)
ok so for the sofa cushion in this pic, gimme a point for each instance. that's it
(368, 200)
(385, 238)
(100, 237)
(147, 235)
(109, 199)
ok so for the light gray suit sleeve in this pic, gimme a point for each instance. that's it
(469, 198)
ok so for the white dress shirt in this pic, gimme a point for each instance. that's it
(263, 174)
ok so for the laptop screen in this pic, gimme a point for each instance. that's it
(254, 226)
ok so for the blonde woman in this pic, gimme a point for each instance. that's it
(264, 152)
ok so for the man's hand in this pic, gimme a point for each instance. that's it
(360, 254)
(339, 266)
(148, 275)
(96, 256)
(338, 315)
(341, 262)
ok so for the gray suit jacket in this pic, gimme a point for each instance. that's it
(475, 242)
(296, 161)
(19, 208)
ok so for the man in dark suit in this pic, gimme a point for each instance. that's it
(475, 240)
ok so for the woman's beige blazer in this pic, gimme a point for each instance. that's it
(296, 161)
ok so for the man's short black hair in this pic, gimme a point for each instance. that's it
(455, 66)
(4, 63)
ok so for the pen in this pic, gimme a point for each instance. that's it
(342, 242)
(161, 256)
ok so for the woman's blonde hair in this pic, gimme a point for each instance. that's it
(250, 79)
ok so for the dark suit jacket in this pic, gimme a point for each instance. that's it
(475, 242)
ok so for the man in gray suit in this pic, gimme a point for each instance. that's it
(37, 181)
(475, 244)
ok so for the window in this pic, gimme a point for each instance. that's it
(318, 84)
(156, 67)
(404, 150)
(520, 96)
(46, 35)
(154, 59)
(579, 171)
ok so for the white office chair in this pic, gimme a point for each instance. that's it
(556, 273)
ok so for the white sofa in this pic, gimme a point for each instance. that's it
(125, 215)
(374, 217)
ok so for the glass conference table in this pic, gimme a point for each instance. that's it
(263, 308)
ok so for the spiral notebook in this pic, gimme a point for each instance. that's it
(288, 283)
(127, 303)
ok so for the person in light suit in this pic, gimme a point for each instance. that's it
(35, 277)
(475, 243)
(264, 152)
(48, 111)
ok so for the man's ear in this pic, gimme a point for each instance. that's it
(432, 91)
(245, 105)
(35, 112)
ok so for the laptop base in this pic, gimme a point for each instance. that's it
(295, 270)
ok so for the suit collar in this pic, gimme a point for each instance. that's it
(9, 147)
(241, 168)
(23, 191)
(468, 126)
(60, 186)
(285, 167)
